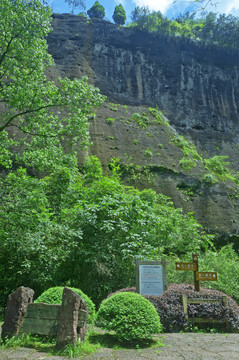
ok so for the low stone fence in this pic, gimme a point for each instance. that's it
(66, 321)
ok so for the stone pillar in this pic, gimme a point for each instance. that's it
(68, 321)
(16, 309)
(82, 320)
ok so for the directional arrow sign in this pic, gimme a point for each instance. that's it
(186, 266)
(206, 276)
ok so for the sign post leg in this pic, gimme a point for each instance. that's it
(196, 282)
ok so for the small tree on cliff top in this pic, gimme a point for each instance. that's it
(119, 15)
(75, 3)
(96, 11)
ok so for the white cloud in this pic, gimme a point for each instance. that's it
(157, 5)
(224, 6)
(231, 6)
(221, 6)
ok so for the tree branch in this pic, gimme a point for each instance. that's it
(7, 49)
(33, 134)
(24, 113)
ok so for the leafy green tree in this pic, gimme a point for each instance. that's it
(139, 15)
(37, 116)
(75, 3)
(119, 15)
(214, 28)
(85, 230)
(96, 11)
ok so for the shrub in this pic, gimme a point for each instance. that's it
(54, 296)
(148, 153)
(187, 163)
(210, 179)
(110, 120)
(170, 309)
(131, 316)
(141, 119)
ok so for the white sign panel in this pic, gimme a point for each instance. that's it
(151, 279)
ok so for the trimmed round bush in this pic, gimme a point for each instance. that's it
(131, 316)
(54, 296)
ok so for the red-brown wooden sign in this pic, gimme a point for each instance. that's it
(186, 266)
(206, 276)
(198, 275)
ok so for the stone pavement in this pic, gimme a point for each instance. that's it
(186, 346)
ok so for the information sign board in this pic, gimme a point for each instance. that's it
(151, 277)
(206, 276)
(186, 266)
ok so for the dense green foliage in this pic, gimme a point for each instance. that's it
(119, 15)
(226, 263)
(97, 11)
(54, 296)
(131, 316)
(37, 115)
(85, 230)
(59, 225)
(212, 28)
(171, 312)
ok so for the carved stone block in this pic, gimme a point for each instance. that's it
(16, 309)
(68, 321)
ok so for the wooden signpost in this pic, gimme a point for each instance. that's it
(205, 276)
(198, 275)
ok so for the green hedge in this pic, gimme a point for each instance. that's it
(54, 296)
(131, 316)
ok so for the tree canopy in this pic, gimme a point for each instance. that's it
(37, 116)
(65, 226)
(210, 28)
(119, 15)
(85, 230)
(96, 11)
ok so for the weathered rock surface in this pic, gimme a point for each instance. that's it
(196, 86)
(68, 320)
(16, 309)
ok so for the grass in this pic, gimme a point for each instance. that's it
(95, 339)
(40, 343)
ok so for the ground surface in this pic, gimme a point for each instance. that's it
(187, 346)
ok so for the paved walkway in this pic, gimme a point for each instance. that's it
(177, 346)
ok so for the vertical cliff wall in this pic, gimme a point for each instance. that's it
(196, 87)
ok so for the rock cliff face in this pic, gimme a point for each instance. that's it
(196, 86)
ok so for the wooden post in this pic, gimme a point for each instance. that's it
(196, 282)
(185, 305)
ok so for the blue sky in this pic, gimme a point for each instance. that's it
(170, 8)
